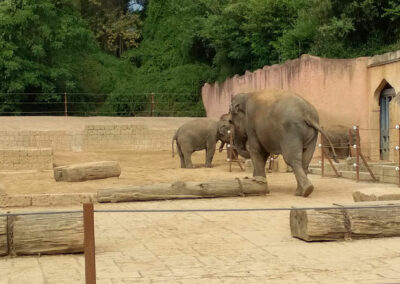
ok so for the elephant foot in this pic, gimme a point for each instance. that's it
(209, 166)
(306, 192)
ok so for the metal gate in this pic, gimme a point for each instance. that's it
(384, 100)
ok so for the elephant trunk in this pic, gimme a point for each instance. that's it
(243, 153)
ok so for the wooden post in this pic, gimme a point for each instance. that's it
(230, 150)
(322, 156)
(350, 142)
(357, 152)
(90, 259)
(152, 104)
(65, 104)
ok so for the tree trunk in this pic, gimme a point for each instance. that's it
(339, 224)
(180, 189)
(87, 171)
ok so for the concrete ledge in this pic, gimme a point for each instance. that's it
(376, 194)
(353, 175)
(47, 199)
(15, 200)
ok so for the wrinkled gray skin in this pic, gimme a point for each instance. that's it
(197, 135)
(226, 117)
(276, 122)
(339, 136)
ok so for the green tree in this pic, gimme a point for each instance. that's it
(38, 40)
(114, 26)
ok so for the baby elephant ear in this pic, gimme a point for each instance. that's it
(234, 108)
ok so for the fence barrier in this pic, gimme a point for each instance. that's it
(92, 104)
(357, 146)
(89, 234)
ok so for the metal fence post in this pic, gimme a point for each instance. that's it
(89, 243)
(152, 104)
(230, 150)
(322, 156)
(357, 152)
(65, 104)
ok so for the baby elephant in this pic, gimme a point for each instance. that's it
(197, 135)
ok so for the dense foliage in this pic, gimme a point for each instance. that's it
(111, 56)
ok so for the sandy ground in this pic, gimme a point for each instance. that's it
(145, 167)
(216, 247)
(137, 167)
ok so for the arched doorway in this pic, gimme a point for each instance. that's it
(385, 97)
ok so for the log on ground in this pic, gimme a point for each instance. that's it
(45, 234)
(341, 223)
(182, 190)
(87, 171)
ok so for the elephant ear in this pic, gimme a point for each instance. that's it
(238, 104)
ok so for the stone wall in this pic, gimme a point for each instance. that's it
(138, 134)
(336, 87)
(26, 159)
(126, 137)
(57, 140)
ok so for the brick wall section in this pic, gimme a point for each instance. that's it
(57, 140)
(138, 134)
(126, 137)
(26, 159)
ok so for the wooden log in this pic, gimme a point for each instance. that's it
(87, 171)
(180, 189)
(339, 224)
(45, 234)
(3, 235)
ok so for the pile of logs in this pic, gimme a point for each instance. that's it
(341, 224)
(182, 190)
(41, 234)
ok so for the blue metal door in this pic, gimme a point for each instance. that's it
(384, 100)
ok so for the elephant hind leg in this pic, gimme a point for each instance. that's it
(182, 158)
(292, 153)
(308, 153)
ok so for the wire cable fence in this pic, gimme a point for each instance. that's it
(92, 104)
(381, 146)
(356, 207)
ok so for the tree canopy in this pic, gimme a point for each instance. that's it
(123, 50)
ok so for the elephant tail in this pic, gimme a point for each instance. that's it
(173, 140)
(316, 126)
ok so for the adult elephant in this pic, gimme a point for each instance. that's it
(277, 122)
(339, 135)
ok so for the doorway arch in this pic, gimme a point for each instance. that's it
(385, 97)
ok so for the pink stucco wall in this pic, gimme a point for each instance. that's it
(338, 88)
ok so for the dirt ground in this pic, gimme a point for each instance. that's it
(137, 168)
(145, 167)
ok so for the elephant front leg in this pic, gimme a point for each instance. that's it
(188, 160)
(258, 158)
